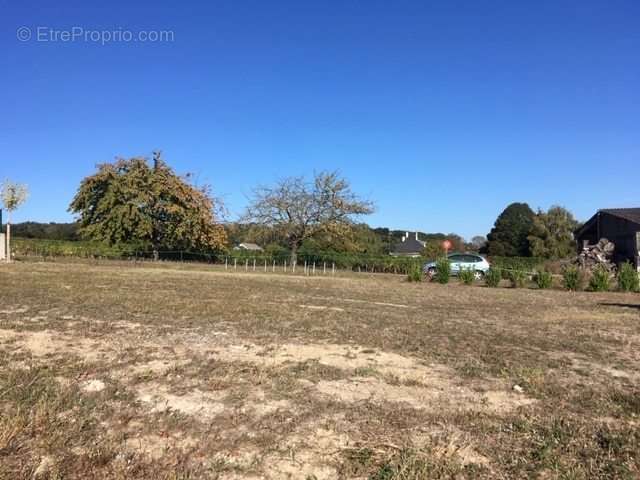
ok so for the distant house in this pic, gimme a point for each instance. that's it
(409, 246)
(618, 225)
(249, 247)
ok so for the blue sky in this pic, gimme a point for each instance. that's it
(441, 112)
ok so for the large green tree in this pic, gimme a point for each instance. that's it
(299, 210)
(508, 237)
(130, 201)
(551, 234)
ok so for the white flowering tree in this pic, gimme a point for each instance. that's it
(12, 195)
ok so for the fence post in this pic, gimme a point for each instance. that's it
(226, 261)
(333, 268)
(274, 267)
(254, 264)
(265, 265)
(235, 264)
(295, 264)
(246, 265)
(314, 268)
(305, 267)
(324, 268)
(285, 266)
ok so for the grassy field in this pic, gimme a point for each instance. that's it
(114, 371)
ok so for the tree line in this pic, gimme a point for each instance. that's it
(147, 205)
(521, 232)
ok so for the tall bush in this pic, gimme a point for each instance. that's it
(493, 276)
(518, 278)
(600, 279)
(628, 279)
(443, 270)
(467, 276)
(543, 279)
(415, 273)
(572, 278)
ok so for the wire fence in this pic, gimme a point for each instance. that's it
(307, 264)
(310, 263)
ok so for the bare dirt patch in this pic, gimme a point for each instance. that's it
(52, 343)
(200, 404)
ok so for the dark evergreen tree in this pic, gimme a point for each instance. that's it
(508, 237)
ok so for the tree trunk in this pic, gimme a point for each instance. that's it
(294, 253)
(156, 254)
(8, 252)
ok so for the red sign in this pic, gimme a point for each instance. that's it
(446, 245)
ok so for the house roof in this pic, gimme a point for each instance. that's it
(629, 214)
(409, 245)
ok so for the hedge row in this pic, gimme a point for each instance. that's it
(344, 261)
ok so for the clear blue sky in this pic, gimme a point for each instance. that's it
(441, 112)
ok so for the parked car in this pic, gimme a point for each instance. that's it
(461, 261)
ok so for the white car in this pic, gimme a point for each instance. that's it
(461, 261)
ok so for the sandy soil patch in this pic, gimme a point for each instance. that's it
(307, 453)
(442, 395)
(48, 342)
(197, 403)
(157, 446)
(346, 357)
(92, 386)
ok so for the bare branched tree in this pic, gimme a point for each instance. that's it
(12, 195)
(298, 209)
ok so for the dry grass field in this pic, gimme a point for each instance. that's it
(113, 371)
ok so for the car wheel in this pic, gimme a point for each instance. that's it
(478, 275)
(431, 273)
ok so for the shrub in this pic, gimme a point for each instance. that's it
(600, 279)
(518, 278)
(543, 279)
(415, 273)
(572, 278)
(443, 270)
(467, 276)
(628, 280)
(493, 276)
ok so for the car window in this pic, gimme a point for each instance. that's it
(456, 258)
(473, 259)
